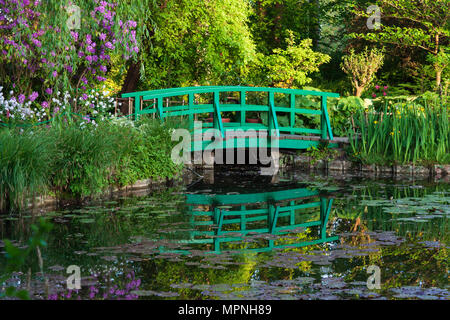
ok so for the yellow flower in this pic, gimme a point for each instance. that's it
(375, 122)
(392, 133)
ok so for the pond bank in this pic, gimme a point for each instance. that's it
(309, 163)
(301, 163)
(44, 203)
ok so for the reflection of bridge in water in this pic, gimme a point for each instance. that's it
(218, 220)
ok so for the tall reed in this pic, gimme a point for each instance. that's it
(24, 166)
(84, 158)
(402, 133)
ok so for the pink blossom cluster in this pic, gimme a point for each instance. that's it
(381, 90)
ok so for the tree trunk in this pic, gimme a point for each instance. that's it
(438, 78)
(359, 91)
(277, 27)
(133, 75)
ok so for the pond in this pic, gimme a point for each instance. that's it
(244, 236)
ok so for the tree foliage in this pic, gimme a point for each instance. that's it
(290, 67)
(420, 24)
(361, 68)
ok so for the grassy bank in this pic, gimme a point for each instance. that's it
(73, 161)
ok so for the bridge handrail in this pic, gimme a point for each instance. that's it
(172, 92)
(160, 94)
(235, 199)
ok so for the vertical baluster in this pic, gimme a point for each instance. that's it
(243, 113)
(292, 105)
(160, 109)
(323, 122)
(190, 108)
(217, 115)
(137, 107)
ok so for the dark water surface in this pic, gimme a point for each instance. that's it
(249, 237)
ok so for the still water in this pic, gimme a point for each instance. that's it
(243, 236)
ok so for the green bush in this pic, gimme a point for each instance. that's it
(341, 112)
(148, 155)
(84, 159)
(77, 162)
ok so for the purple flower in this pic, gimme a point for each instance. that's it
(74, 35)
(33, 96)
(377, 87)
(37, 43)
(49, 91)
(90, 49)
(54, 74)
(21, 98)
(109, 45)
(102, 36)
(45, 104)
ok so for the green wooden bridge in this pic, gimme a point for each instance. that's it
(188, 104)
(217, 220)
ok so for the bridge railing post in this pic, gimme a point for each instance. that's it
(137, 107)
(190, 108)
(217, 121)
(243, 113)
(325, 125)
(292, 105)
(160, 106)
(273, 121)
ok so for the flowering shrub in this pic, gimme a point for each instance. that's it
(40, 59)
(12, 110)
(92, 105)
(380, 91)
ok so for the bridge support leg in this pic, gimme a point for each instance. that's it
(208, 176)
(208, 160)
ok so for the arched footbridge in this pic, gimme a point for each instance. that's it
(242, 116)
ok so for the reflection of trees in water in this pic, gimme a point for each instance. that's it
(350, 206)
(405, 265)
